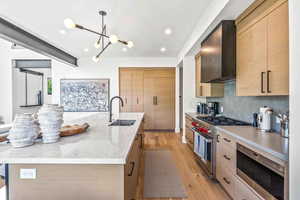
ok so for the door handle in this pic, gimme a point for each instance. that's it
(262, 82)
(201, 92)
(132, 168)
(156, 100)
(153, 100)
(226, 181)
(227, 140)
(226, 157)
(268, 81)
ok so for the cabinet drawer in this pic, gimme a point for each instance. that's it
(243, 192)
(227, 180)
(189, 134)
(226, 156)
(188, 121)
(226, 139)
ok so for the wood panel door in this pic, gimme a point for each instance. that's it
(138, 90)
(164, 108)
(159, 99)
(125, 89)
(278, 51)
(149, 101)
(252, 60)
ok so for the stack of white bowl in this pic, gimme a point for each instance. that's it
(24, 131)
(50, 119)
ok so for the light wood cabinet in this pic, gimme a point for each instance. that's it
(262, 52)
(152, 91)
(159, 96)
(206, 89)
(131, 85)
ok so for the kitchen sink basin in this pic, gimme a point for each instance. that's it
(122, 122)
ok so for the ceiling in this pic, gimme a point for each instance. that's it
(142, 21)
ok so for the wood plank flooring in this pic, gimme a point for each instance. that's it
(197, 184)
(1, 183)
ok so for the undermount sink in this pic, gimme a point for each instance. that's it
(122, 122)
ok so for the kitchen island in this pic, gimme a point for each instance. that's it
(102, 163)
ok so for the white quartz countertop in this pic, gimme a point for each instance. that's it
(271, 143)
(101, 144)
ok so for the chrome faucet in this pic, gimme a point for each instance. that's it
(110, 106)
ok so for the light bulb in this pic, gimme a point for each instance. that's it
(130, 44)
(113, 39)
(163, 49)
(97, 45)
(96, 59)
(124, 49)
(69, 23)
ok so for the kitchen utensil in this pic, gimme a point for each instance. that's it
(255, 120)
(284, 124)
(73, 130)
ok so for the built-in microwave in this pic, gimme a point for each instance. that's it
(265, 176)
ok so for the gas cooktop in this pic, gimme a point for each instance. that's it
(223, 121)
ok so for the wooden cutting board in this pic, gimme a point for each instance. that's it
(73, 129)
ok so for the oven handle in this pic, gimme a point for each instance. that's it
(203, 134)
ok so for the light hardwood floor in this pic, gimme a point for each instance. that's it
(1, 183)
(197, 185)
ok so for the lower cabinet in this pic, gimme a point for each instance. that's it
(131, 169)
(226, 169)
(189, 134)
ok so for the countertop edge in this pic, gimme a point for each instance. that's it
(278, 155)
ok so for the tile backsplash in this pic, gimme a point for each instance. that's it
(243, 107)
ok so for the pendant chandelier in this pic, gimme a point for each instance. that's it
(103, 37)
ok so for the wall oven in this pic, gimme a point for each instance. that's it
(265, 176)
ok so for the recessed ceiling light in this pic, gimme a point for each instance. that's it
(86, 50)
(62, 31)
(124, 49)
(168, 31)
(163, 49)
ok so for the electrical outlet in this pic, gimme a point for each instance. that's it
(27, 173)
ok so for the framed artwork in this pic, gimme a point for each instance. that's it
(49, 86)
(84, 95)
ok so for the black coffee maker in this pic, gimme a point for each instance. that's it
(213, 108)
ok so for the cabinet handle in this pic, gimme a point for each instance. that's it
(132, 168)
(201, 92)
(153, 100)
(227, 140)
(218, 138)
(226, 181)
(125, 100)
(262, 82)
(156, 100)
(268, 81)
(137, 100)
(226, 157)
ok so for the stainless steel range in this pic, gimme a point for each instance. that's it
(205, 139)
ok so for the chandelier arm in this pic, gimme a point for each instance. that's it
(108, 44)
(89, 30)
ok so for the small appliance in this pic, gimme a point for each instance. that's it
(264, 118)
(213, 108)
(202, 108)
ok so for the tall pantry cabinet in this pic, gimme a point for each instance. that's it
(152, 91)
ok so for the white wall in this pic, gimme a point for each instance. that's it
(7, 54)
(5, 82)
(189, 97)
(294, 14)
(107, 68)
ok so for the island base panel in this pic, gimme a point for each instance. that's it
(63, 182)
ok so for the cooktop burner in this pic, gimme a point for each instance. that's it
(223, 121)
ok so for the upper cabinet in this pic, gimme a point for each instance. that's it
(263, 51)
(206, 89)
